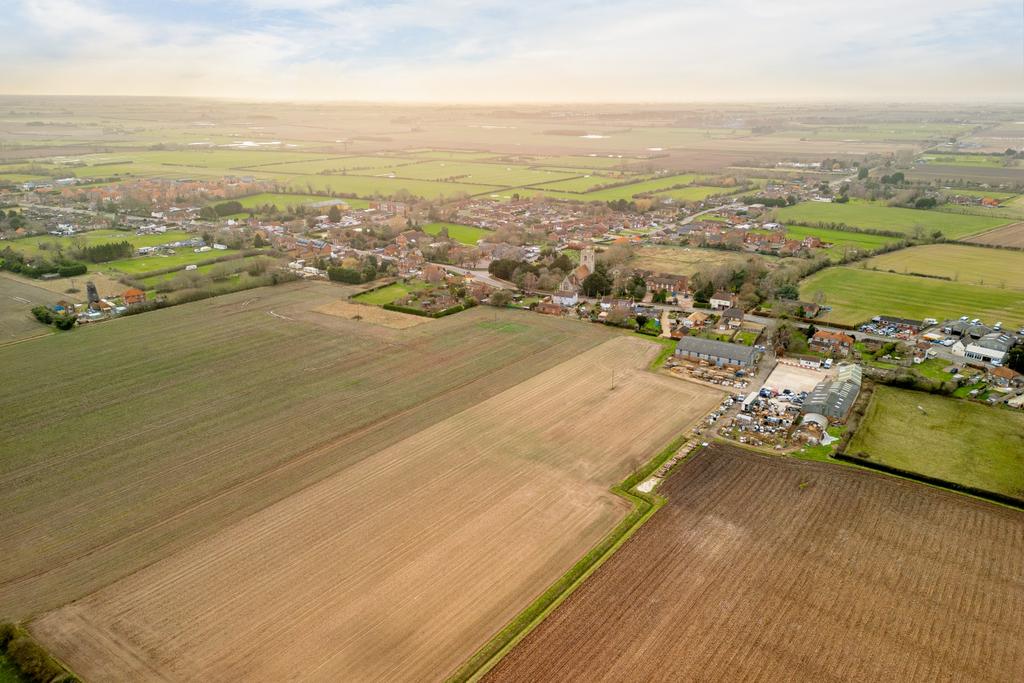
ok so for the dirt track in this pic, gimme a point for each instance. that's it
(778, 570)
(400, 566)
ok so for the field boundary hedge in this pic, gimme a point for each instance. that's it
(991, 496)
(644, 507)
(32, 660)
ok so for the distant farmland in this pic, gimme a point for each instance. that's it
(878, 216)
(945, 438)
(764, 568)
(192, 467)
(857, 295)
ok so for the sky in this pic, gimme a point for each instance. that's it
(526, 51)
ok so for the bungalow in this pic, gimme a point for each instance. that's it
(722, 300)
(835, 343)
(716, 352)
(696, 320)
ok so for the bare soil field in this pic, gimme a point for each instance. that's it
(129, 440)
(688, 260)
(763, 568)
(399, 566)
(1006, 236)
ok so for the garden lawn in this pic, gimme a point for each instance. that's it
(466, 234)
(877, 216)
(856, 295)
(389, 294)
(953, 440)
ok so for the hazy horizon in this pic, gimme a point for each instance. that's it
(456, 52)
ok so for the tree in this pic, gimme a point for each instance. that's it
(334, 214)
(500, 298)
(788, 291)
(596, 284)
(1015, 358)
(862, 173)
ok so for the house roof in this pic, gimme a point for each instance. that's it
(723, 296)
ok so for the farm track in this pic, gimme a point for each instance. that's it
(507, 493)
(755, 559)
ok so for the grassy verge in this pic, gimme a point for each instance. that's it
(668, 347)
(644, 506)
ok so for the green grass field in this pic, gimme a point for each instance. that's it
(147, 264)
(389, 294)
(696, 193)
(357, 165)
(501, 175)
(466, 234)
(1000, 196)
(285, 201)
(964, 160)
(236, 265)
(878, 216)
(958, 441)
(998, 268)
(43, 244)
(841, 240)
(856, 295)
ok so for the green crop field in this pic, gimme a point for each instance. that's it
(450, 154)
(585, 183)
(358, 165)
(43, 244)
(878, 216)
(841, 240)
(998, 268)
(467, 234)
(964, 159)
(285, 201)
(502, 175)
(856, 295)
(953, 440)
(697, 193)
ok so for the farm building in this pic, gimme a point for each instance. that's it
(992, 347)
(834, 398)
(717, 352)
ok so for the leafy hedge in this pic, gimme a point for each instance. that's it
(32, 661)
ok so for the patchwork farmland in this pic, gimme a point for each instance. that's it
(17, 297)
(128, 569)
(761, 568)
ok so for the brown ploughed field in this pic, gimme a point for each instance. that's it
(767, 569)
(1007, 236)
(400, 565)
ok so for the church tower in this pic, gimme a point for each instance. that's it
(587, 259)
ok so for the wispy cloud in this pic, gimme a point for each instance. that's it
(463, 50)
